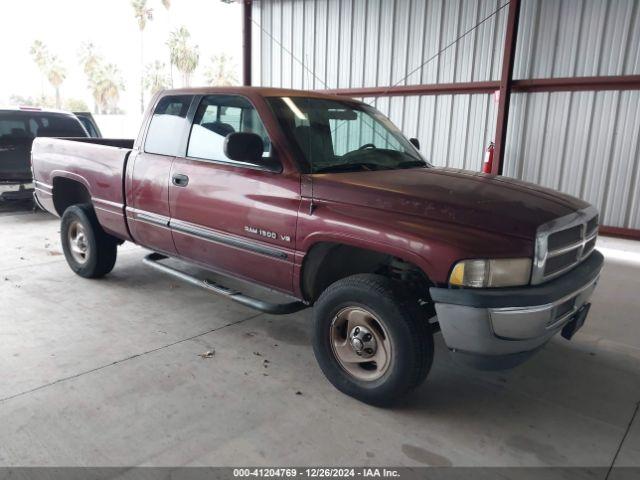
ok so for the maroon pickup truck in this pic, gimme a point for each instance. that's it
(322, 199)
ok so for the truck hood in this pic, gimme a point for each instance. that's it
(491, 203)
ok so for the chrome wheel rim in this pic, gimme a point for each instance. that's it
(360, 343)
(78, 244)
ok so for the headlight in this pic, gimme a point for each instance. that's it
(501, 272)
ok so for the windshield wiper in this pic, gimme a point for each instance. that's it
(352, 166)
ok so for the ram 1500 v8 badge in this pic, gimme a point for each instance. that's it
(322, 199)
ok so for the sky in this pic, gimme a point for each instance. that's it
(63, 25)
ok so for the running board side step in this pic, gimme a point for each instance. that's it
(153, 260)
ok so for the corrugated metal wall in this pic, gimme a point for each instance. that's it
(318, 44)
(356, 43)
(567, 38)
(583, 143)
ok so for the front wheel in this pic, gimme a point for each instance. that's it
(89, 250)
(370, 341)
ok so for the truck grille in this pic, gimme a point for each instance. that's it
(564, 243)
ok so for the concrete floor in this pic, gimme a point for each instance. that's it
(109, 372)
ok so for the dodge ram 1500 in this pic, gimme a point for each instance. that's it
(321, 198)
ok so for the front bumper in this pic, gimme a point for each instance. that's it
(500, 328)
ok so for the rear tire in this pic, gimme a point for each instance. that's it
(89, 250)
(371, 340)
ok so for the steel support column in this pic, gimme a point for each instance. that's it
(246, 42)
(506, 79)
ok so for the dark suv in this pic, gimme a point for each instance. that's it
(18, 128)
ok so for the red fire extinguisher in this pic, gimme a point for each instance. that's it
(487, 164)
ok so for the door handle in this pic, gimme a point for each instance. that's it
(180, 180)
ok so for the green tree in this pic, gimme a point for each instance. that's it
(92, 63)
(221, 71)
(142, 14)
(42, 101)
(105, 86)
(89, 58)
(156, 77)
(56, 74)
(108, 85)
(50, 66)
(75, 105)
(182, 54)
(40, 55)
(167, 5)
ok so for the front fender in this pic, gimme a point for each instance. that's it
(432, 246)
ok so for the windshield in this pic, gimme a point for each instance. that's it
(342, 136)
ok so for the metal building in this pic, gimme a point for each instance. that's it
(567, 114)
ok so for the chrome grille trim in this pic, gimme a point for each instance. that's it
(582, 248)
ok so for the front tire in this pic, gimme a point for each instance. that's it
(89, 250)
(371, 341)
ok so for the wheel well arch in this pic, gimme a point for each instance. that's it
(68, 192)
(328, 262)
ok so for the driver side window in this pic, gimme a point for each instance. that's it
(218, 116)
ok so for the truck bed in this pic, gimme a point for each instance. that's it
(96, 163)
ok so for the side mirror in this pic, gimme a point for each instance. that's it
(244, 147)
(415, 142)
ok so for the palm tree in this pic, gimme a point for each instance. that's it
(106, 86)
(91, 63)
(221, 71)
(167, 5)
(188, 64)
(89, 58)
(184, 56)
(156, 78)
(56, 74)
(40, 56)
(94, 88)
(142, 13)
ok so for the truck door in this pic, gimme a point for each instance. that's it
(227, 215)
(148, 211)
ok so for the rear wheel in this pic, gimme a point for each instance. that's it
(89, 250)
(371, 342)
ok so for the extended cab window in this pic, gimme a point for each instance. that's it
(218, 116)
(167, 124)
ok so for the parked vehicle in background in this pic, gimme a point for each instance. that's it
(89, 123)
(322, 199)
(18, 128)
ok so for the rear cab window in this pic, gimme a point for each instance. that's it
(19, 125)
(169, 121)
(218, 116)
